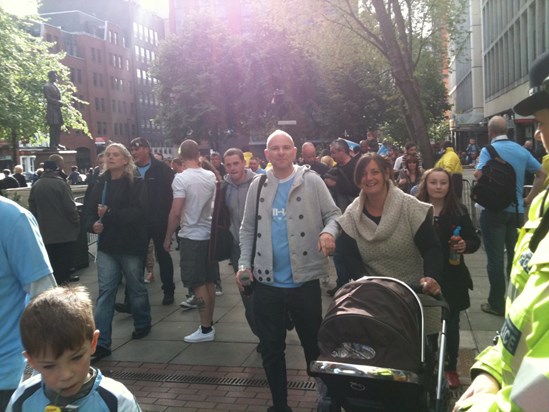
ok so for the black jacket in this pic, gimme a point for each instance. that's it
(125, 228)
(456, 279)
(158, 180)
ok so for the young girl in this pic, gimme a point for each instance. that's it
(436, 188)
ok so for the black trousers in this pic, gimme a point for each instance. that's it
(271, 306)
(157, 234)
(60, 259)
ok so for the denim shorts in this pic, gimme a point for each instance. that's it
(196, 269)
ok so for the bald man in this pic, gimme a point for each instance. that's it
(499, 228)
(309, 157)
(295, 212)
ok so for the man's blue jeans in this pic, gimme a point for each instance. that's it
(110, 268)
(271, 305)
(499, 234)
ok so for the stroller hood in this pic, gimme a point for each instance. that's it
(376, 322)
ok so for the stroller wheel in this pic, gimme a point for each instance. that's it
(327, 405)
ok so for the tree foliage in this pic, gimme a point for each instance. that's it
(213, 83)
(340, 68)
(24, 63)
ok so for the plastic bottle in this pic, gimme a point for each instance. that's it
(453, 257)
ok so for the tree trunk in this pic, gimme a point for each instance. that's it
(14, 150)
(404, 79)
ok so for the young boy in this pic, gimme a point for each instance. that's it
(59, 336)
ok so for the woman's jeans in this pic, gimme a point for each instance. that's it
(110, 268)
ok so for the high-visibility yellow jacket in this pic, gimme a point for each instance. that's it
(520, 360)
(450, 162)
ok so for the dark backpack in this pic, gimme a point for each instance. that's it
(496, 188)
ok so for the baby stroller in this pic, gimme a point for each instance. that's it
(374, 355)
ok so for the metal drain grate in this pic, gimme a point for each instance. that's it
(204, 380)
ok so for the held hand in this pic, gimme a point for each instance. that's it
(101, 210)
(483, 384)
(247, 273)
(430, 286)
(459, 246)
(326, 244)
(97, 227)
(167, 245)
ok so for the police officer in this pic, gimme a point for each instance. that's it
(513, 375)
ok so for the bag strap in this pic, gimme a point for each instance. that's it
(259, 187)
(494, 154)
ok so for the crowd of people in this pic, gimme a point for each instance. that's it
(375, 213)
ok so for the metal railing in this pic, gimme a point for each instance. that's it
(92, 237)
(474, 212)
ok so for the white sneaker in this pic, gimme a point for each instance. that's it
(218, 290)
(198, 336)
(189, 303)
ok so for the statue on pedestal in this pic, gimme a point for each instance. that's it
(54, 118)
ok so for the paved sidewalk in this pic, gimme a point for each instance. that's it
(167, 374)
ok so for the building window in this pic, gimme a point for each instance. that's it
(79, 75)
(102, 104)
(95, 79)
(97, 104)
(93, 54)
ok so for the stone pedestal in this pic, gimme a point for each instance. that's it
(69, 156)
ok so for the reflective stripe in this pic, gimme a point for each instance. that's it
(531, 387)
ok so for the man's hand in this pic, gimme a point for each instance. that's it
(326, 244)
(97, 227)
(483, 384)
(247, 274)
(101, 210)
(167, 245)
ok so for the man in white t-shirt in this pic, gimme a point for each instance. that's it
(193, 193)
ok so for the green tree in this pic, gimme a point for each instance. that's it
(402, 31)
(374, 74)
(25, 61)
(213, 83)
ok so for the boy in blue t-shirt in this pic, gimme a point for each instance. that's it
(59, 336)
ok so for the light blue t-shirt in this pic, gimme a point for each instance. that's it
(143, 169)
(521, 160)
(282, 264)
(23, 260)
(105, 393)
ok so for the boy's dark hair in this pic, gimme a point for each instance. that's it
(57, 320)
